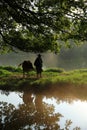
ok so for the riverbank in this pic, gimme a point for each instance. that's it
(12, 79)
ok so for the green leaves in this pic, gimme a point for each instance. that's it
(43, 19)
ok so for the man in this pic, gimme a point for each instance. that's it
(38, 64)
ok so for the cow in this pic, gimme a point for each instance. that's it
(26, 66)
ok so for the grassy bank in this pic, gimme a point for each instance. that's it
(11, 78)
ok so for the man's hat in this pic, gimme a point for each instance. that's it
(39, 55)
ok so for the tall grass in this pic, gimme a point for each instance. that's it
(13, 77)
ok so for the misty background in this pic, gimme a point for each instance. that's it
(68, 59)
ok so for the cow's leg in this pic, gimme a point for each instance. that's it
(27, 74)
(23, 74)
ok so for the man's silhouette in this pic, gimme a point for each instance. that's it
(38, 64)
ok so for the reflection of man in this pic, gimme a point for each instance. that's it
(38, 64)
(39, 103)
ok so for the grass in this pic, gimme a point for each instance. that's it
(11, 78)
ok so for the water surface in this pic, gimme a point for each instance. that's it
(52, 108)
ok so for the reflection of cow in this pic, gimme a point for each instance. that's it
(26, 66)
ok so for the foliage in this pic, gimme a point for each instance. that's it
(4, 72)
(10, 69)
(39, 25)
(58, 70)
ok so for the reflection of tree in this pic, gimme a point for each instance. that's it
(5, 92)
(67, 93)
(67, 125)
(28, 116)
(33, 114)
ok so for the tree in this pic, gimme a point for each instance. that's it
(39, 25)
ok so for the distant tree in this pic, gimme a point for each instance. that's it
(39, 25)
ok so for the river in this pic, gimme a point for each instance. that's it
(53, 108)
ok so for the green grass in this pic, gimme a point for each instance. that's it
(11, 78)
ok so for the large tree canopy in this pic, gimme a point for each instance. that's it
(40, 25)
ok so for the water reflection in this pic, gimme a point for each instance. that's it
(52, 108)
(14, 98)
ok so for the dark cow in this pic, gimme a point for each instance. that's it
(26, 66)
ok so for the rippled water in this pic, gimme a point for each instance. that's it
(56, 108)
